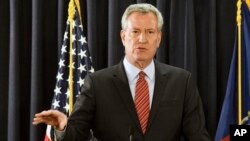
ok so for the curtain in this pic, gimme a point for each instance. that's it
(198, 35)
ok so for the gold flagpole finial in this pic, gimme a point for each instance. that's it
(71, 10)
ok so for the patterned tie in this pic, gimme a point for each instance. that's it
(142, 101)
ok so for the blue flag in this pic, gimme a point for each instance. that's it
(229, 112)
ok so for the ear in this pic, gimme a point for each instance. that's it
(122, 34)
(159, 39)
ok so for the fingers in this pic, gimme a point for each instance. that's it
(45, 113)
(37, 121)
(50, 117)
(46, 120)
(46, 117)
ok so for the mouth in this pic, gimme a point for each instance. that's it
(141, 48)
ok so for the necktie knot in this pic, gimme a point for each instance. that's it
(141, 75)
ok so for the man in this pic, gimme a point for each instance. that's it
(139, 99)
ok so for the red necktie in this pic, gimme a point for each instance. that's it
(142, 100)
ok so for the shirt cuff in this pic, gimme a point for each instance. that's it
(59, 134)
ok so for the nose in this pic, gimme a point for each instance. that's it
(142, 38)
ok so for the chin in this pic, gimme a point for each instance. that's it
(140, 59)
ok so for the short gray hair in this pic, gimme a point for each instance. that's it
(142, 8)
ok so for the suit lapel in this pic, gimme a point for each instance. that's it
(160, 82)
(121, 82)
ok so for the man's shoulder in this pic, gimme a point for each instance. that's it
(106, 71)
(166, 68)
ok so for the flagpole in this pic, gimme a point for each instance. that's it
(71, 12)
(239, 20)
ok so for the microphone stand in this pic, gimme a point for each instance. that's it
(131, 133)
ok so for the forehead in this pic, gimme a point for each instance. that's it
(142, 20)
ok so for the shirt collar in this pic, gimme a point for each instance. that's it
(132, 71)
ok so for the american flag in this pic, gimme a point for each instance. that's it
(82, 65)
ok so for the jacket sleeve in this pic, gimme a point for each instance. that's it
(80, 121)
(194, 120)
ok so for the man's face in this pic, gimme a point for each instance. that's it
(141, 37)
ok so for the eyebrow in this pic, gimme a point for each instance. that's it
(140, 29)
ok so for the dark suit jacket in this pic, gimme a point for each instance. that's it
(106, 106)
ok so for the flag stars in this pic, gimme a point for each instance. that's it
(81, 68)
(67, 93)
(74, 51)
(80, 81)
(66, 107)
(73, 38)
(56, 104)
(83, 40)
(61, 63)
(81, 27)
(57, 90)
(91, 70)
(68, 80)
(72, 66)
(65, 36)
(74, 23)
(82, 54)
(77, 95)
(63, 50)
(59, 76)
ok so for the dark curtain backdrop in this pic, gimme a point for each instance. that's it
(198, 35)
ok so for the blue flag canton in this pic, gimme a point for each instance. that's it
(82, 65)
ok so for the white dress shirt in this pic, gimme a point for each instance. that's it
(132, 73)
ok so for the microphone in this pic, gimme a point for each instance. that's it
(246, 120)
(131, 133)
